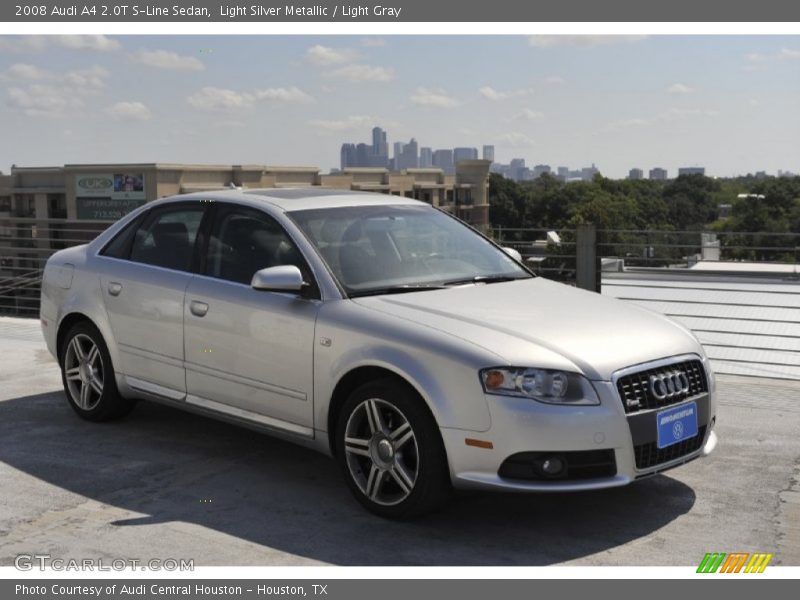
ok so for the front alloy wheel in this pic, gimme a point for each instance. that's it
(382, 453)
(391, 451)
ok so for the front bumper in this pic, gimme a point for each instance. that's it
(520, 425)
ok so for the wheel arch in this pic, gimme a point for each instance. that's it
(355, 378)
(67, 323)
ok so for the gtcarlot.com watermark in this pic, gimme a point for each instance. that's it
(29, 562)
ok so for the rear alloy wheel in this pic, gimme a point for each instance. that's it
(88, 376)
(391, 451)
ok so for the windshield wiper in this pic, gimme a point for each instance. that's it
(398, 289)
(485, 279)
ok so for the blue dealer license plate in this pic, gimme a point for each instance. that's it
(676, 424)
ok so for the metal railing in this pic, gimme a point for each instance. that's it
(749, 326)
(567, 255)
(25, 245)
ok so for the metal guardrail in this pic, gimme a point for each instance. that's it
(567, 255)
(25, 245)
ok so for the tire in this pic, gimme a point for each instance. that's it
(391, 452)
(88, 375)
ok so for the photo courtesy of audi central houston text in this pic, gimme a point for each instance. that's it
(418, 353)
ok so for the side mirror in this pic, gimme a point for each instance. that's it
(283, 278)
(513, 254)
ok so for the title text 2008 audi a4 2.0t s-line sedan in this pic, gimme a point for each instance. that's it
(382, 331)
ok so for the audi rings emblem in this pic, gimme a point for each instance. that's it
(669, 385)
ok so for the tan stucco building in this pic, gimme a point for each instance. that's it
(43, 209)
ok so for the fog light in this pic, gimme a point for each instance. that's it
(550, 466)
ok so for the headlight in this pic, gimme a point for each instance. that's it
(544, 385)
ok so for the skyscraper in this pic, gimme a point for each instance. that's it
(380, 147)
(425, 157)
(691, 171)
(348, 156)
(540, 170)
(408, 157)
(464, 154)
(635, 174)
(658, 173)
(444, 160)
(488, 153)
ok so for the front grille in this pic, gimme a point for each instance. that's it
(649, 455)
(578, 464)
(635, 393)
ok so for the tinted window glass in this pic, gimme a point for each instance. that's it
(120, 246)
(166, 239)
(244, 241)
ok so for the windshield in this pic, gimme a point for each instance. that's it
(391, 249)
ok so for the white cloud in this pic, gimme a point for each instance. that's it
(555, 80)
(353, 122)
(283, 94)
(43, 100)
(581, 41)
(94, 43)
(220, 99)
(213, 98)
(163, 59)
(373, 42)
(325, 56)
(682, 113)
(622, 124)
(359, 73)
(129, 111)
(86, 80)
(516, 140)
(59, 94)
(37, 43)
(528, 114)
(22, 71)
(679, 88)
(490, 93)
(756, 57)
(433, 98)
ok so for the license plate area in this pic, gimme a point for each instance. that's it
(676, 424)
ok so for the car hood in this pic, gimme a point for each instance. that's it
(541, 323)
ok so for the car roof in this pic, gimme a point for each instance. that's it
(303, 198)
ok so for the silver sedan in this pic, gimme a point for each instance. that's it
(381, 331)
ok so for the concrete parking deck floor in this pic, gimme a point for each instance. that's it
(166, 484)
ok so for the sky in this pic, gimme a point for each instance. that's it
(727, 103)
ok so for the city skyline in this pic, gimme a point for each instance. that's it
(726, 103)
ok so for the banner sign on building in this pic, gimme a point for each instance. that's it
(108, 196)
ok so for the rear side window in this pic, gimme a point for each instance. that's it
(120, 246)
(166, 238)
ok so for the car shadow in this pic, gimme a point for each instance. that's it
(174, 466)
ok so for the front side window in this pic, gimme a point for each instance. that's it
(166, 238)
(395, 248)
(244, 241)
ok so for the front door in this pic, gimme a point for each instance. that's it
(249, 353)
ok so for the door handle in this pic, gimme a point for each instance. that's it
(199, 309)
(114, 288)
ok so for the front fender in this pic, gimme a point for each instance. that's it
(442, 369)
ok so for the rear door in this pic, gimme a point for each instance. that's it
(143, 282)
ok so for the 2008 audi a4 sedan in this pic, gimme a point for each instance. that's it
(379, 330)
